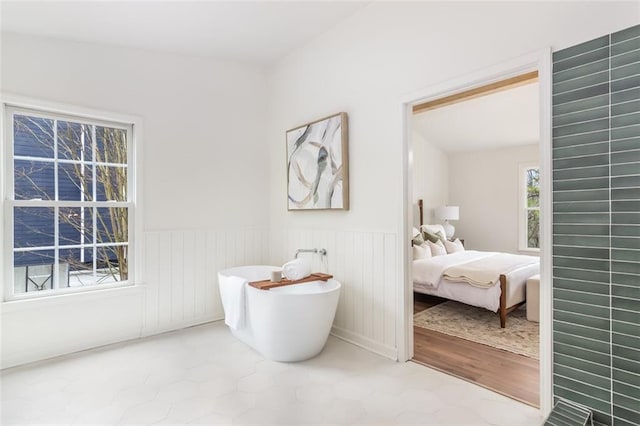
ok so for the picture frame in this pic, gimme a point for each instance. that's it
(318, 165)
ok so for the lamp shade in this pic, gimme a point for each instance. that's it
(448, 213)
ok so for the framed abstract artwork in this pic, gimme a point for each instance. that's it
(318, 165)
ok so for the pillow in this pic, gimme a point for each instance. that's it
(417, 240)
(433, 233)
(421, 252)
(437, 249)
(453, 246)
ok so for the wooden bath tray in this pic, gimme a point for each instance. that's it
(268, 284)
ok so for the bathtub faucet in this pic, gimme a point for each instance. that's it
(322, 252)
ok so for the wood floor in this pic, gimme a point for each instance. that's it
(510, 374)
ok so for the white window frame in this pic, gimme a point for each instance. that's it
(523, 209)
(15, 104)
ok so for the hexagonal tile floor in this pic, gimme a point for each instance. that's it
(203, 375)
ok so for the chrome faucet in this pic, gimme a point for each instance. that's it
(321, 252)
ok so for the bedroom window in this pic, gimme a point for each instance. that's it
(68, 203)
(530, 207)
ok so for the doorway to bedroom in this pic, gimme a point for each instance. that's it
(475, 193)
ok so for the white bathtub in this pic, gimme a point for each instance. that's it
(289, 323)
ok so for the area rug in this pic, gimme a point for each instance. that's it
(482, 326)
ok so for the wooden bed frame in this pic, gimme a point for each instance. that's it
(503, 310)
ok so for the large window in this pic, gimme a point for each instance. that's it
(68, 202)
(529, 207)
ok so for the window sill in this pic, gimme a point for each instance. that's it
(18, 305)
(529, 250)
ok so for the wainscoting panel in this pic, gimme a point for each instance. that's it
(366, 265)
(596, 226)
(181, 266)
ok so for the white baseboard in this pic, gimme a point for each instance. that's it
(365, 343)
(180, 325)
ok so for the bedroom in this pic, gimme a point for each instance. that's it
(475, 161)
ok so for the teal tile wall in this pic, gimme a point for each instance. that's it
(596, 226)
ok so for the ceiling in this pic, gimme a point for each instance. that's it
(258, 32)
(502, 119)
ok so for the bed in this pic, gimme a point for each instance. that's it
(490, 280)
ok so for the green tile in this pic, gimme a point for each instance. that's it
(626, 255)
(625, 364)
(583, 388)
(625, 59)
(585, 58)
(581, 218)
(625, 120)
(626, 34)
(599, 370)
(590, 253)
(582, 48)
(624, 84)
(587, 92)
(579, 308)
(585, 127)
(581, 139)
(625, 182)
(581, 173)
(580, 207)
(621, 376)
(580, 241)
(623, 412)
(626, 267)
(625, 218)
(626, 353)
(581, 105)
(626, 206)
(592, 322)
(625, 340)
(601, 300)
(581, 116)
(626, 242)
(625, 194)
(625, 291)
(625, 279)
(578, 150)
(623, 317)
(577, 274)
(586, 161)
(603, 406)
(625, 144)
(580, 229)
(565, 196)
(625, 132)
(588, 264)
(625, 46)
(626, 96)
(625, 71)
(625, 108)
(625, 231)
(581, 285)
(590, 379)
(578, 184)
(624, 169)
(627, 157)
(581, 82)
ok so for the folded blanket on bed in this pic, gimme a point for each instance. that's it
(485, 272)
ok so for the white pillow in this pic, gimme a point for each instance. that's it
(437, 249)
(421, 251)
(453, 246)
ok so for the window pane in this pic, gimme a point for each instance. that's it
(112, 225)
(32, 136)
(79, 268)
(533, 188)
(33, 180)
(111, 183)
(111, 145)
(75, 226)
(74, 141)
(33, 227)
(74, 180)
(112, 264)
(33, 270)
(533, 229)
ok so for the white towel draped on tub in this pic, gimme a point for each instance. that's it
(233, 300)
(296, 269)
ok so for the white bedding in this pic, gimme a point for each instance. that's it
(427, 277)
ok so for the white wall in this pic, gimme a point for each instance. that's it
(484, 184)
(205, 186)
(368, 63)
(430, 178)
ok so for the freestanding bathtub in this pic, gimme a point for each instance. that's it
(288, 323)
